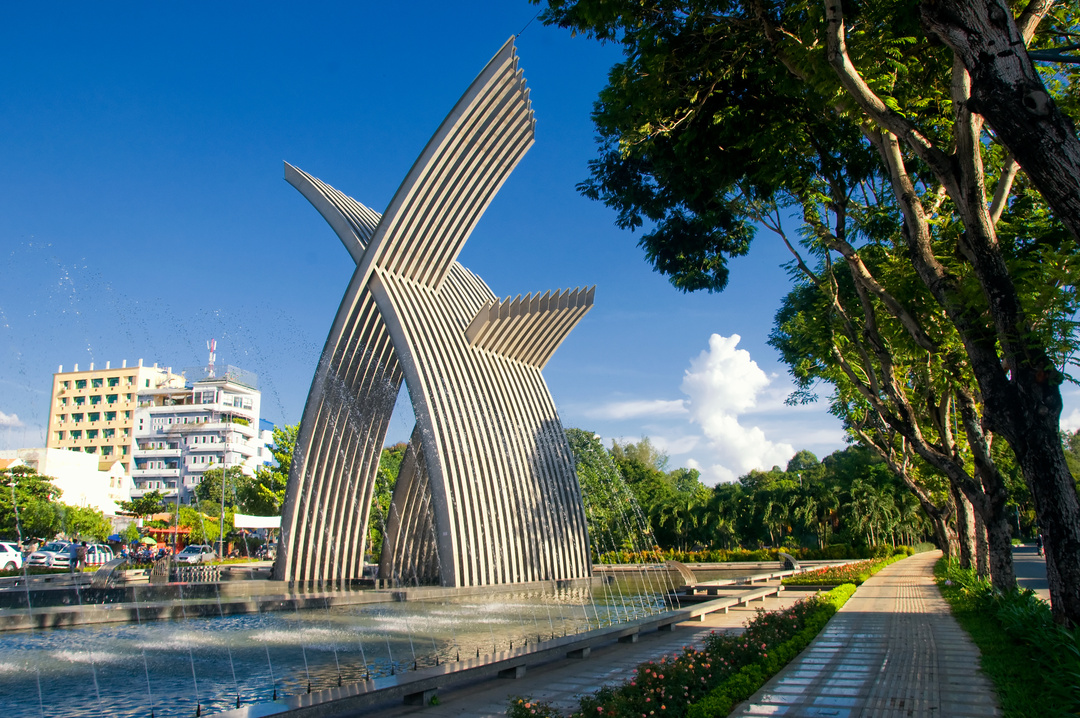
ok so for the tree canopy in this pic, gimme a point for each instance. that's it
(941, 246)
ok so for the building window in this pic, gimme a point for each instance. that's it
(90, 449)
(106, 451)
(124, 450)
(66, 384)
(80, 383)
(207, 397)
(127, 414)
(76, 434)
(59, 436)
(91, 433)
(77, 418)
(127, 397)
(111, 398)
(110, 416)
(80, 400)
(95, 383)
(93, 416)
(63, 401)
(147, 385)
(108, 433)
(125, 431)
(95, 400)
(114, 381)
(61, 418)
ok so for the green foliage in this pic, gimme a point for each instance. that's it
(204, 525)
(264, 494)
(208, 490)
(37, 499)
(385, 481)
(85, 523)
(130, 534)
(638, 513)
(1033, 662)
(148, 504)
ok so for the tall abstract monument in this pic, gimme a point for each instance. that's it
(487, 492)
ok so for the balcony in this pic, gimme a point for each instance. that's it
(155, 473)
(157, 453)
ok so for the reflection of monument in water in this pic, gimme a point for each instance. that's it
(487, 492)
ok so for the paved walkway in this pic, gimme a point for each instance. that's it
(893, 650)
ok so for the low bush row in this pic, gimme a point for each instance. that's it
(837, 551)
(1033, 662)
(700, 683)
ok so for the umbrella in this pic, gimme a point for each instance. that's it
(149, 540)
(116, 537)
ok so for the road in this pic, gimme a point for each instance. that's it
(1031, 570)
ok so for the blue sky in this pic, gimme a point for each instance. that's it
(143, 212)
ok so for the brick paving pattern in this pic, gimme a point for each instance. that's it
(894, 650)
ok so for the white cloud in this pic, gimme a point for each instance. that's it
(722, 383)
(9, 421)
(634, 409)
(673, 446)
(1070, 422)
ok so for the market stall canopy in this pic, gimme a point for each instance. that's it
(149, 540)
(243, 521)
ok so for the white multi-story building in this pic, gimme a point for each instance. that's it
(182, 432)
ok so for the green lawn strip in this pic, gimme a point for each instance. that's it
(1032, 663)
(674, 684)
(855, 573)
(750, 678)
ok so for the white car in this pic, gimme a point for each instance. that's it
(11, 557)
(196, 553)
(55, 554)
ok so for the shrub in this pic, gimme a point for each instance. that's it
(687, 682)
(1033, 662)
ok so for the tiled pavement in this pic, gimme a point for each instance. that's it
(893, 650)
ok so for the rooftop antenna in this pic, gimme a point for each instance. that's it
(212, 346)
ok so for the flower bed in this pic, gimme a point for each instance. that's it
(699, 683)
(855, 573)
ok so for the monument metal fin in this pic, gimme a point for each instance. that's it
(529, 329)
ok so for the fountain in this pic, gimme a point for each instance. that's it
(485, 545)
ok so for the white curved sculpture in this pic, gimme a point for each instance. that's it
(487, 493)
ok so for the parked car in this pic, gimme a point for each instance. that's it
(196, 553)
(11, 557)
(55, 554)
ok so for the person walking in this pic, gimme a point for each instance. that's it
(80, 557)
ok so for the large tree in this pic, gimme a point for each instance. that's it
(728, 113)
(36, 511)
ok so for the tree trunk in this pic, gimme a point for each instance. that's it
(1043, 462)
(944, 535)
(982, 558)
(965, 529)
(1008, 92)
